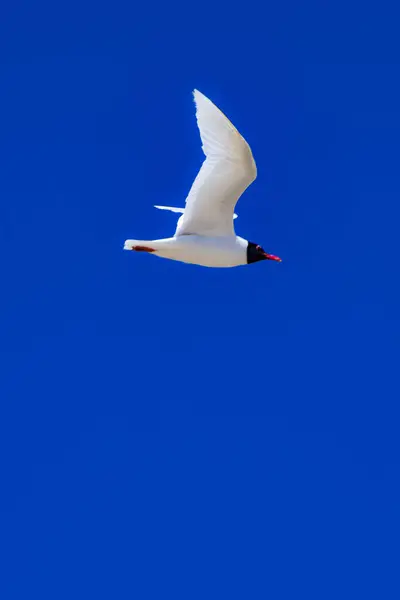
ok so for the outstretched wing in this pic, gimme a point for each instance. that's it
(228, 169)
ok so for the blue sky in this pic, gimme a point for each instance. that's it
(168, 431)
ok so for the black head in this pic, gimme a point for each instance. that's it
(256, 253)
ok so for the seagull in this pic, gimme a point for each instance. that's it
(205, 232)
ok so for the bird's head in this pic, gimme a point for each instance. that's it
(256, 253)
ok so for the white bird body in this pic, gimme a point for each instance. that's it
(229, 251)
(205, 233)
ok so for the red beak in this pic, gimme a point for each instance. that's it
(272, 257)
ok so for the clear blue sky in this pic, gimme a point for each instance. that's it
(168, 431)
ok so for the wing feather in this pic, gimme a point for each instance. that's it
(228, 169)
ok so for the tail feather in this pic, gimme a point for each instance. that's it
(139, 246)
(130, 244)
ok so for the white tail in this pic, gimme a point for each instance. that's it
(178, 210)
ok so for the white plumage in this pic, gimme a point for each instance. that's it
(205, 233)
(228, 169)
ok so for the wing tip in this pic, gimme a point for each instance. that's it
(196, 96)
(199, 96)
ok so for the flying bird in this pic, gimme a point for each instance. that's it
(205, 233)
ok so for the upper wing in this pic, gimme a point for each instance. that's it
(228, 169)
